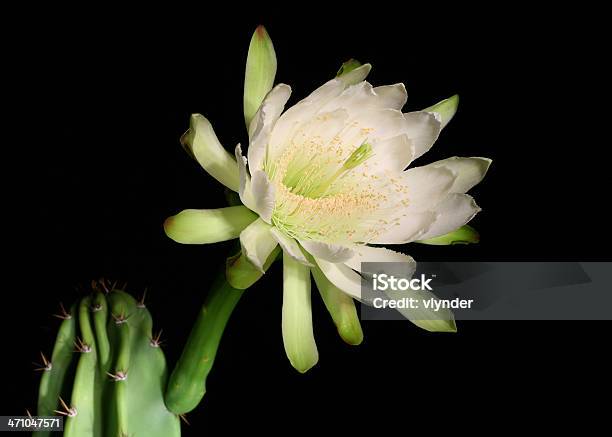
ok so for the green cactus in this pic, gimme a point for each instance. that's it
(108, 376)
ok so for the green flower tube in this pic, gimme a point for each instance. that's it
(187, 384)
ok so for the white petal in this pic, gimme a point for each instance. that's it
(263, 193)
(367, 254)
(372, 126)
(329, 252)
(263, 123)
(200, 140)
(411, 226)
(287, 125)
(298, 336)
(290, 246)
(321, 129)
(469, 171)
(362, 97)
(453, 212)
(256, 243)
(393, 96)
(256, 193)
(423, 129)
(394, 154)
(426, 186)
(343, 277)
(246, 195)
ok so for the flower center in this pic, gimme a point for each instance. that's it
(322, 194)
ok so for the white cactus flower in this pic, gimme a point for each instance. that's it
(325, 180)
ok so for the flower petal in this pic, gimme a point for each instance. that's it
(426, 186)
(445, 109)
(329, 252)
(298, 336)
(394, 153)
(410, 226)
(469, 171)
(452, 213)
(341, 307)
(201, 226)
(290, 246)
(362, 97)
(293, 118)
(256, 193)
(202, 143)
(263, 123)
(260, 72)
(342, 276)
(245, 192)
(393, 96)
(256, 243)
(423, 129)
(263, 193)
(367, 254)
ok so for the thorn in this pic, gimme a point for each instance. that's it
(141, 302)
(67, 411)
(45, 366)
(94, 285)
(184, 418)
(81, 346)
(119, 376)
(28, 413)
(121, 318)
(104, 285)
(114, 286)
(64, 315)
(124, 287)
(96, 307)
(156, 339)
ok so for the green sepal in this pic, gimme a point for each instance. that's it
(348, 66)
(241, 273)
(446, 109)
(260, 72)
(464, 235)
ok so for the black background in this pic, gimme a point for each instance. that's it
(90, 179)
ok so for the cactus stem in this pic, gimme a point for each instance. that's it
(141, 301)
(67, 411)
(81, 346)
(184, 418)
(45, 366)
(156, 339)
(119, 376)
(64, 315)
